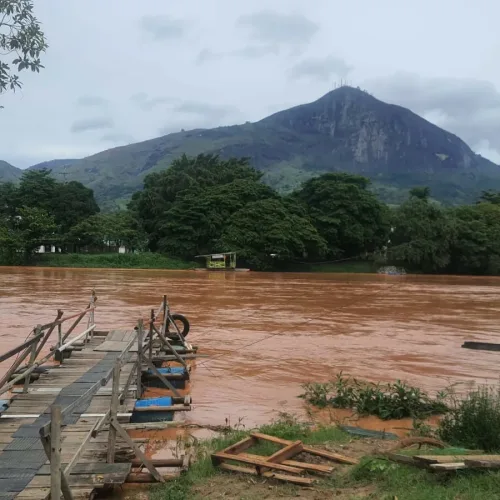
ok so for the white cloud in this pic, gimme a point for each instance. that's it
(102, 53)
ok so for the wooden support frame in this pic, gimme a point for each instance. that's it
(280, 461)
(175, 354)
(115, 428)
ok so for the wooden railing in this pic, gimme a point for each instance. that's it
(32, 347)
(50, 433)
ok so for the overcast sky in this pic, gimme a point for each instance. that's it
(121, 71)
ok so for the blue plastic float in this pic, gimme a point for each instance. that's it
(154, 415)
(176, 375)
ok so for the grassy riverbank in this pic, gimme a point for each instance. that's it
(149, 260)
(112, 260)
(374, 478)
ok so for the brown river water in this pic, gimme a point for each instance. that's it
(266, 334)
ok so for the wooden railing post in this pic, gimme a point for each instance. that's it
(55, 452)
(59, 343)
(31, 360)
(140, 341)
(165, 314)
(115, 395)
(151, 333)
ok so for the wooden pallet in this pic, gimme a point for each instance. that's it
(278, 463)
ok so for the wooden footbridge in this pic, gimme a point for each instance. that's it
(63, 424)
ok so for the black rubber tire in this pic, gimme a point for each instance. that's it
(183, 320)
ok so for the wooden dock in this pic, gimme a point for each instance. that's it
(62, 433)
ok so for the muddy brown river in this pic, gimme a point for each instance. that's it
(266, 334)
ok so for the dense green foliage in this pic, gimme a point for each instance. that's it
(268, 236)
(350, 218)
(386, 401)
(429, 238)
(41, 211)
(206, 204)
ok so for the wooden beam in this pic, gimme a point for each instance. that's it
(256, 462)
(294, 463)
(66, 490)
(177, 356)
(79, 452)
(481, 463)
(287, 452)
(138, 453)
(159, 462)
(165, 382)
(20, 347)
(240, 446)
(302, 481)
(309, 449)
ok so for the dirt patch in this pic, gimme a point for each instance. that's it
(232, 487)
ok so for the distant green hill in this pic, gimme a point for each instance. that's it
(347, 129)
(9, 173)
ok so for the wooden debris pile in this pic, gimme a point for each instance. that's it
(280, 465)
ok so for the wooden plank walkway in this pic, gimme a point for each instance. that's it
(24, 468)
(61, 430)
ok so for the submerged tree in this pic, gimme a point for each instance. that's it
(21, 42)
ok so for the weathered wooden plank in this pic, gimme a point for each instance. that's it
(256, 462)
(445, 459)
(481, 463)
(448, 467)
(310, 467)
(287, 452)
(302, 481)
(241, 446)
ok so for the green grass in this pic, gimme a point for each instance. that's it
(113, 260)
(391, 480)
(374, 478)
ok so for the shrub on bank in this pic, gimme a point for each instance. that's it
(386, 401)
(474, 422)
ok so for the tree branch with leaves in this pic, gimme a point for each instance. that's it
(22, 42)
